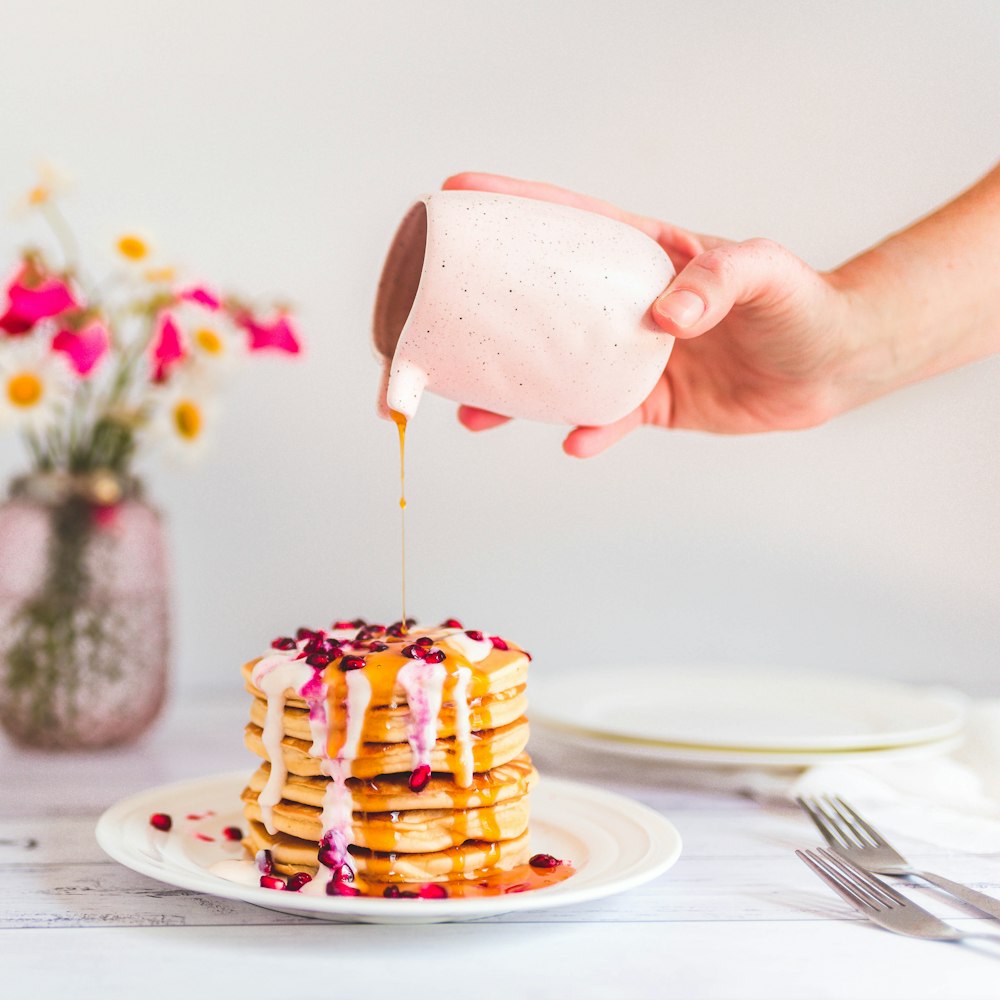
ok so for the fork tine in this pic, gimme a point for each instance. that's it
(858, 833)
(845, 831)
(876, 837)
(811, 809)
(855, 881)
(846, 893)
(872, 883)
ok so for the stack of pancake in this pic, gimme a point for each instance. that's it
(392, 756)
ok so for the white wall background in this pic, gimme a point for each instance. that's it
(272, 147)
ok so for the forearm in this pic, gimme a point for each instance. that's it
(927, 299)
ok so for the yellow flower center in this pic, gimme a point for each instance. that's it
(38, 195)
(133, 247)
(209, 341)
(187, 419)
(160, 274)
(25, 389)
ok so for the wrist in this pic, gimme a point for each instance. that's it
(884, 342)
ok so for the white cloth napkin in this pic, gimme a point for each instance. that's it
(952, 801)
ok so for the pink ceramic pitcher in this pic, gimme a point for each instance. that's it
(521, 307)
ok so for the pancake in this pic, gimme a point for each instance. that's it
(473, 859)
(388, 725)
(489, 749)
(505, 670)
(391, 791)
(411, 831)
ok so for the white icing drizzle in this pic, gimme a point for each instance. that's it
(423, 683)
(463, 731)
(237, 870)
(274, 674)
(359, 695)
(474, 650)
(337, 819)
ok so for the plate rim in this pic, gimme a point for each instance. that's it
(711, 757)
(653, 863)
(955, 701)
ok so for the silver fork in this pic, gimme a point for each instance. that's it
(851, 837)
(877, 900)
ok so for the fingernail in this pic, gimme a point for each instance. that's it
(682, 307)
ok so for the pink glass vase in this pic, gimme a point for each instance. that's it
(84, 623)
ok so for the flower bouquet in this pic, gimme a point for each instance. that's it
(91, 373)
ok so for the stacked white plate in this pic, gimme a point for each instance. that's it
(734, 715)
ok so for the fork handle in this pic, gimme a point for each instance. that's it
(989, 905)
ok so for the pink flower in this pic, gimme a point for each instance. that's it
(277, 334)
(167, 348)
(32, 297)
(84, 348)
(202, 296)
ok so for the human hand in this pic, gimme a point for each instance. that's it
(762, 338)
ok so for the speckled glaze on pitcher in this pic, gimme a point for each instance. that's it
(521, 307)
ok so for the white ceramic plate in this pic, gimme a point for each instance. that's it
(734, 709)
(614, 843)
(667, 753)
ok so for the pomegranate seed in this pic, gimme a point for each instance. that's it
(318, 660)
(498, 643)
(283, 642)
(391, 892)
(161, 821)
(358, 623)
(272, 882)
(345, 873)
(264, 861)
(425, 640)
(434, 656)
(336, 888)
(451, 623)
(351, 663)
(397, 630)
(475, 634)
(544, 861)
(369, 632)
(433, 891)
(232, 833)
(415, 652)
(343, 625)
(298, 880)
(327, 858)
(306, 633)
(419, 778)
(378, 647)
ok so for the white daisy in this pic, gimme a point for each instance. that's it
(183, 415)
(213, 340)
(36, 385)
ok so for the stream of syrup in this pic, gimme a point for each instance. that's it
(400, 421)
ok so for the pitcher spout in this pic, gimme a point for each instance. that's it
(404, 385)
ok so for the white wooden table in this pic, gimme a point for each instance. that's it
(738, 916)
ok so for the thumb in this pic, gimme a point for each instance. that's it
(713, 282)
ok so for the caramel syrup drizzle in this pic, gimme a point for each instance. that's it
(400, 421)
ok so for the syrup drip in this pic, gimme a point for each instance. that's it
(400, 421)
